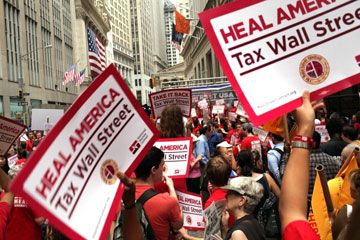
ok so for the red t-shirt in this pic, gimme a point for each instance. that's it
(300, 230)
(5, 210)
(161, 210)
(247, 142)
(22, 222)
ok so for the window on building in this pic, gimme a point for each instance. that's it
(138, 96)
(2, 113)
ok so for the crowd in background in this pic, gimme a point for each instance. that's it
(266, 184)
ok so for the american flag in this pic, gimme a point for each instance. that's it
(69, 74)
(80, 77)
(96, 54)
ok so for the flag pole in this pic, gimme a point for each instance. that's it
(286, 132)
(329, 205)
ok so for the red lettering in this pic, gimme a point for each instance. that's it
(113, 94)
(228, 34)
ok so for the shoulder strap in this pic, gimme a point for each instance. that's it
(147, 195)
(279, 151)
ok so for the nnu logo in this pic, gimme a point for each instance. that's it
(134, 146)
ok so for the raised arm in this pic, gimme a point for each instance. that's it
(293, 196)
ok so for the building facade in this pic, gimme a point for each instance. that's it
(120, 39)
(158, 35)
(36, 49)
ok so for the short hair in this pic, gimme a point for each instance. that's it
(251, 190)
(317, 139)
(218, 171)
(350, 132)
(204, 129)
(247, 127)
(277, 137)
(354, 178)
(245, 161)
(152, 159)
(334, 126)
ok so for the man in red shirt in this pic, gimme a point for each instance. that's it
(162, 210)
(250, 142)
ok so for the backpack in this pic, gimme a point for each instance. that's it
(144, 221)
(268, 215)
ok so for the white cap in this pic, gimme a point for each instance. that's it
(224, 144)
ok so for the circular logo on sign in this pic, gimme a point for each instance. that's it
(188, 219)
(108, 171)
(314, 69)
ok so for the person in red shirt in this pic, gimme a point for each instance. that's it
(163, 209)
(6, 202)
(251, 141)
(218, 171)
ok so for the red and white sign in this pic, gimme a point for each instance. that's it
(71, 178)
(232, 116)
(220, 102)
(325, 137)
(240, 111)
(272, 51)
(179, 97)
(193, 112)
(9, 132)
(218, 109)
(261, 133)
(177, 155)
(191, 206)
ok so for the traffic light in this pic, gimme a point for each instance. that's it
(21, 95)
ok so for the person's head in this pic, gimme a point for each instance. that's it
(247, 128)
(334, 127)
(350, 133)
(196, 122)
(277, 138)
(31, 135)
(258, 165)
(218, 171)
(245, 163)
(151, 166)
(206, 130)
(243, 194)
(171, 124)
(224, 149)
(348, 149)
(354, 178)
(38, 135)
(317, 139)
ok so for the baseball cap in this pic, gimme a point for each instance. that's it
(224, 144)
(245, 186)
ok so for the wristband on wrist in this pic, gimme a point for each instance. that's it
(308, 140)
(300, 144)
(127, 207)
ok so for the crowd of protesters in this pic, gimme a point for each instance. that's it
(267, 185)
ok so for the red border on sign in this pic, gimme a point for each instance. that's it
(170, 90)
(18, 183)
(205, 18)
(189, 153)
(16, 123)
(196, 195)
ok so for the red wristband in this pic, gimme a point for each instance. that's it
(308, 140)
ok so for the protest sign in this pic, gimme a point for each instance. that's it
(235, 103)
(9, 132)
(261, 133)
(220, 102)
(272, 51)
(177, 155)
(12, 160)
(179, 97)
(71, 178)
(193, 112)
(232, 116)
(212, 216)
(323, 133)
(44, 119)
(191, 206)
(218, 109)
(240, 110)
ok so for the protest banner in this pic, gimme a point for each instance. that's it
(191, 206)
(180, 97)
(9, 132)
(212, 216)
(71, 178)
(271, 51)
(323, 133)
(177, 155)
(218, 109)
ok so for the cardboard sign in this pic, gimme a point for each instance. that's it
(71, 177)
(191, 206)
(261, 133)
(218, 109)
(325, 137)
(272, 51)
(177, 155)
(213, 216)
(9, 132)
(179, 97)
(240, 111)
